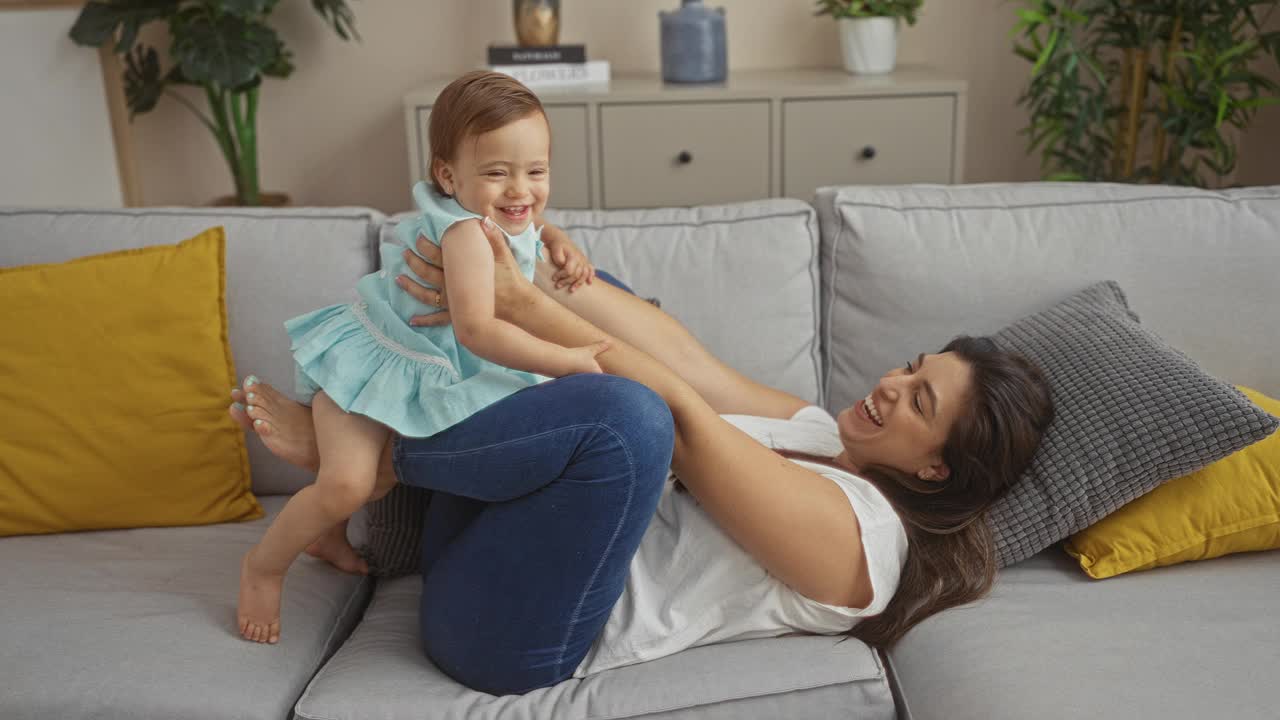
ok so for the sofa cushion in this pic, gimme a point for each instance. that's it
(1178, 643)
(743, 278)
(141, 624)
(905, 269)
(100, 419)
(280, 263)
(381, 671)
(1130, 413)
(1228, 507)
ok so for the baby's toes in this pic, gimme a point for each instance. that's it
(273, 633)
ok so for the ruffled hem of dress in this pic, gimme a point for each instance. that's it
(338, 350)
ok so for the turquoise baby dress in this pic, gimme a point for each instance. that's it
(369, 360)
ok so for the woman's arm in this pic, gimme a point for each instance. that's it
(796, 523)
(468, 285)
(652, 331)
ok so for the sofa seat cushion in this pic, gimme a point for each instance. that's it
(743, 277)
(279, 263)
(381, 671)
(141, 624)
(1184, 642)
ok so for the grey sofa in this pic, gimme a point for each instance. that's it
(817, 299)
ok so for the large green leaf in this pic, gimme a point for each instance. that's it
(222, 50)
(339, 15)
(143, 82)
(247, 8)
(98, 22)
(283, 66)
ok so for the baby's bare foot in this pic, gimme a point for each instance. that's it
(334, 548)
(284, 424)
(258, 612)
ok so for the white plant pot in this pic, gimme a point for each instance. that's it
(870, 45)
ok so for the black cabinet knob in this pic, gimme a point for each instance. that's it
(868, 152)
(685, 157)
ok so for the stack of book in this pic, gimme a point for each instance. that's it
(561, 66)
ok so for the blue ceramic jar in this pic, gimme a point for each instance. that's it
(693, 44)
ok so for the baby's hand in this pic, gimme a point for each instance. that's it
(583, 359)
(575, 270)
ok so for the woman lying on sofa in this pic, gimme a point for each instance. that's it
(573, 555)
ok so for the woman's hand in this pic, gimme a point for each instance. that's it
(510, 286)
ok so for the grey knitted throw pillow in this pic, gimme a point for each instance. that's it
(395, 522)
(1131, 412)
(394, 543)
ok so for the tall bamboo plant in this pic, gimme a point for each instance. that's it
(223, 47)
(1144, 90)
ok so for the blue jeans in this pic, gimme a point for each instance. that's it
(540, 501)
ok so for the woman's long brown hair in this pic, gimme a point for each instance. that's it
(951, 559)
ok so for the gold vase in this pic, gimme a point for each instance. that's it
(537, 22)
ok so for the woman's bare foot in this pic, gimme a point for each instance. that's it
(284, 424)
(258, 612)
(286, 428)
(334, 548)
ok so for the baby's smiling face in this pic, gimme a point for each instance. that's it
(504, 174)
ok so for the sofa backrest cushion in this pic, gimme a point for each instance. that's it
(907, 268)
(280, 263)
(743, 277)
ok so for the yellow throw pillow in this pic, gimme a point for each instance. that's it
(114, 373)
(1230, 506)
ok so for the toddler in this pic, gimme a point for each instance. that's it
(369, 373)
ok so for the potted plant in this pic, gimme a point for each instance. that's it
(223, 47)
(1145, 92)
(869, 31)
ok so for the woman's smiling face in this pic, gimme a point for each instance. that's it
(504, 174)
(905, 420)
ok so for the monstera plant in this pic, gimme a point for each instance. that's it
(223, 47)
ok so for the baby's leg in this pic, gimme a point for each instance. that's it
(334, 548)
(350, 447)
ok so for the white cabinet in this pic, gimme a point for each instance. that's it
(663, 154)
(768, 133)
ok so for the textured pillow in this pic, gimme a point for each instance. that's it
(113, 377)
(1130, 413)
(1228, 507)
(393, 546)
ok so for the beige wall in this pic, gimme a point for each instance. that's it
(1260, 152)
(333, 133)
(55, 126)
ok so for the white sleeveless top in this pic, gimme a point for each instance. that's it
(691, 584)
